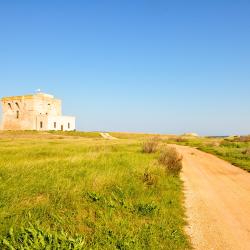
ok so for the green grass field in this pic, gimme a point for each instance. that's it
(79, 191)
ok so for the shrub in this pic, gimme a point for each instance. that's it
(180, 139)
(229, 144)
(150, 146)
(247, 151)
(149, 179)
(171, 160)
(213, 144)
(242, 138)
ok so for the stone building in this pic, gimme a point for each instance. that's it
(35, 112)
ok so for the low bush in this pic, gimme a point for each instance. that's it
(180, 139)
(146, 209)
(171, 160)
(242, 138)
(247, 151)
(229, 144)
(148, 178)
(150, 146)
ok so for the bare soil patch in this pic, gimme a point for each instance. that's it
(217, 199)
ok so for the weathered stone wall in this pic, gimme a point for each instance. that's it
(18, 113)
(46, 105)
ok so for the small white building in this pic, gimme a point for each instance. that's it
(39, 111)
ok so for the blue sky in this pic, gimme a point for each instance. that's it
(146, 66)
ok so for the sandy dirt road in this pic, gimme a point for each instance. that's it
(217, 199)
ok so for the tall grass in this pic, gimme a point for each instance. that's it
(89, 191)
(77, 134)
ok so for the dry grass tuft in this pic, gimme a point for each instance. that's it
(247, 151)
(150, 146)
(171, 160)
(148, 178)
(242, 139)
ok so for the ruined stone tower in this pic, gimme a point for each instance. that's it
(35, 112)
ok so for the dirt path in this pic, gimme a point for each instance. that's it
(217, 198)
(107, 136)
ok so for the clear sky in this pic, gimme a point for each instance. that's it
(146, 66)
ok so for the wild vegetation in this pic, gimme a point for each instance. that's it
(150, 146)
(76, 134)
(171, 160)
(232, 149)
(75, 192)
(139, 136)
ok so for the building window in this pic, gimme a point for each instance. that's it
(68, 125)
(54, 124)
(41, 124)
(17, 114)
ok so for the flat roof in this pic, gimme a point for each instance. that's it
(31, 96)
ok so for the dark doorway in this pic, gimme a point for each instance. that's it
(61, 127)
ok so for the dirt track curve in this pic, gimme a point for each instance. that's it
(107, 136)
(217, 199)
